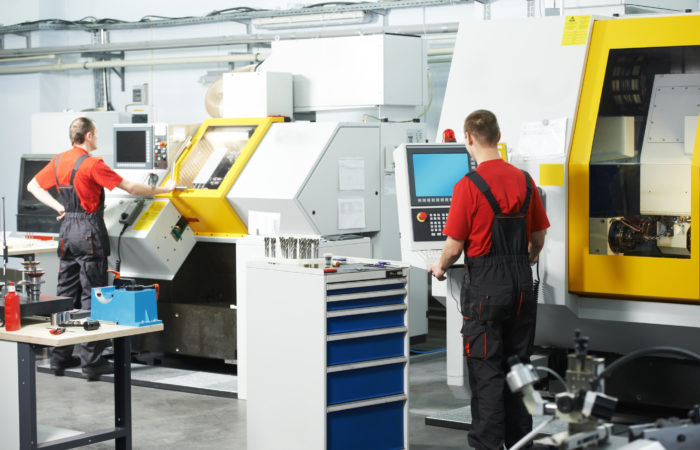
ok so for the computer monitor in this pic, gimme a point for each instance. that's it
(133, 146)
(32, 215)
(434, 170)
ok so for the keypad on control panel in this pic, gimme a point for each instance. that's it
(437, 223)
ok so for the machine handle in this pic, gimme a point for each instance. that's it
(117, 275)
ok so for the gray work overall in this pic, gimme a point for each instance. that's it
(83, 250)
(499, 311)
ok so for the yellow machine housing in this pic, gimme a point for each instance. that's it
(595, 272)
(209, 166)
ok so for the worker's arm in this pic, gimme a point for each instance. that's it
(46, 198)
(450, 254)
(536, 244)
(144, 190)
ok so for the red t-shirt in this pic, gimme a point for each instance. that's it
(471, 216)
(89, 180)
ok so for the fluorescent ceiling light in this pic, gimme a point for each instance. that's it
(312, 20)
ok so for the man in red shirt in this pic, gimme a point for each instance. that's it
(497, 218)
(83, 245)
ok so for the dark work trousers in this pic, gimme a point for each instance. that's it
(499, 311)
(83, 251)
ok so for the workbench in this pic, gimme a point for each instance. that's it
(18, 246)
(18, 427)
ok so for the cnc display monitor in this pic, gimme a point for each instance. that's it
(32, 215)
(434, 170)
(141, 146)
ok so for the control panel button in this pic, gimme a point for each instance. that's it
(422, 216)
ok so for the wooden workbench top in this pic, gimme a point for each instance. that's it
(22, 246)
(35, 331)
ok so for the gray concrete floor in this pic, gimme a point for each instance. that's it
(177, 420)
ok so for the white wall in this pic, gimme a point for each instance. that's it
(175, 91)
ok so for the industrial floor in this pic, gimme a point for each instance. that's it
(180, 420)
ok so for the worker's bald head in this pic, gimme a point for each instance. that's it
(79, 128)
(483, 126)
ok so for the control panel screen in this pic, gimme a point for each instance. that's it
(141, 146)
(433, 172)
(436, 174)
(131, 146)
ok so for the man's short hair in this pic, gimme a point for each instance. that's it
(79, 128)
(482, 124)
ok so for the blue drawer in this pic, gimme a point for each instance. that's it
(369, 428)
(383, 287)
(365, 302)
(359, 322)
(361, 384)
(365, 348)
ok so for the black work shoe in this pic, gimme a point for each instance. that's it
(59, 369)
(93, 372)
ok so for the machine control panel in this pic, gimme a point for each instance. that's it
(141, 146)
(428, 223)
(160, 149)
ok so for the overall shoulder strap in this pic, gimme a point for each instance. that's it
(75, 167)
(485, 189)
(528, 194)
(55, 170)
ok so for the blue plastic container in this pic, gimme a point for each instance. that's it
(133, 308)
(362, 384)
(364, 349)
(360, 322)
(370, 428)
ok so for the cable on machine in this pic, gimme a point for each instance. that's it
(665, 350)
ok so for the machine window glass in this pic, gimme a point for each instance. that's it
(213, 155)
(641, 153)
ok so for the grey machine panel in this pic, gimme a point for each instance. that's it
(355, 206)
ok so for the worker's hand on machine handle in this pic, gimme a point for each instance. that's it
(170, 185)
(437, 271)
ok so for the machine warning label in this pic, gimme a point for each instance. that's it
(576, 30)
(149, 216)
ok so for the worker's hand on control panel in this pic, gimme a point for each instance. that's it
(437, 271)
(170, 185)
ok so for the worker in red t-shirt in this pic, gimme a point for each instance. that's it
(498, 219)
(84, 245)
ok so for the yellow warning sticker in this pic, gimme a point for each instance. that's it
(576, 30)
(149, 216)
(502, 151)
(551, 174)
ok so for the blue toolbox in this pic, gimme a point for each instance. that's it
(131, 305)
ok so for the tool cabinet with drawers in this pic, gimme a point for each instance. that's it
(328, 356)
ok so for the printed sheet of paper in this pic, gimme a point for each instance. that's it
(543, 138)
(351, 213)
(351, 174)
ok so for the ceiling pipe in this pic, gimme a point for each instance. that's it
(60, 67)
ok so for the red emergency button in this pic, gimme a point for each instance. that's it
(422, 216)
